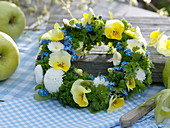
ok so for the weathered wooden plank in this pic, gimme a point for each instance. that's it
(139, 20)
(135, 114)
(99, 61)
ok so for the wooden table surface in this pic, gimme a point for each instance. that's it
(146, 20)
(100, 7)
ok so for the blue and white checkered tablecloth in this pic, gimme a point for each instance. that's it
(21, 110)
(21, 83)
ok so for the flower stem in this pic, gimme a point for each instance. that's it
(153, 97)
(68, 9)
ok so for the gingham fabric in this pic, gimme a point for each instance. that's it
(21, 110)
(22, 82)
(26, 112)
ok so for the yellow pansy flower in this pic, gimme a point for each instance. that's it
(87, 18)
(115, 103)
(134, 33)
(130, 32)
(163, 46)
(60, 60)
(79, 93)
(155, 37)
(114, 29)
(131, 84)
(155, 34)
(54, 35)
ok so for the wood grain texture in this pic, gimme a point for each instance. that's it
(135, 114)
(97, 61)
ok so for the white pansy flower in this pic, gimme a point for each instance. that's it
(54, 35)
(55, 46)
(138, 39)
(140, 75)
(38, 71)
(163, 46)
(136, 42)
(116, 58)
(67, 22)
(53, 79)
(100, 80)
(138, 34)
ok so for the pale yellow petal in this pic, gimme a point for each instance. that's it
(78, 93)
(131, 84)
(60, 60)
(115, 103)
(54, 35)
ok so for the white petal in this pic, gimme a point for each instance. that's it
(66, 21)
(116, 58)
(98, 80)
(38, 71)
(53, 79)
(55, 46)
(140, 75)
(162, 45)
(136, 42)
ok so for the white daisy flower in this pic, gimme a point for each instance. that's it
(55, 46)
(38, 71)
(100, 80)
(116, 58)
(53, 79)
(140, 75)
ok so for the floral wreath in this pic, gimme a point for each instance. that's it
(58, 78)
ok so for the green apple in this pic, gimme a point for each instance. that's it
(166, 74)
(12, 19)
(9, 56)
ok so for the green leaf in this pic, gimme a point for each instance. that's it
(39, 39)
(98, 98)
(86, 83)
(41, 98)
(39, 86)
